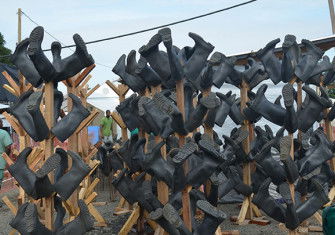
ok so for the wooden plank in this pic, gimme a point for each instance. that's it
(81, 193)
(243, 211)
(118, 119)
(87, 120)
(83, 84)
(12, 121)
(83, 75)
(230, 232)
(95, 213)
(315, 229)
(114, 88)
(91, 187)
(318, 217)
(91, 91)
(130, 222)
(11, 90)
(262, 222)
(91, 154)
(10, 205)
(91, 197)
(11, 81)
(70, 207)
(331, 196)
(7, 159)
(99, 203)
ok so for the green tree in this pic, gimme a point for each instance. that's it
(4, 51)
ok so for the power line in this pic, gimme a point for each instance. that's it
(144, 30)
(164, 25)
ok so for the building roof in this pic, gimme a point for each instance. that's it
(6, 96)
(323, 43)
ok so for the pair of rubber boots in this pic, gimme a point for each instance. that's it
(39, 68)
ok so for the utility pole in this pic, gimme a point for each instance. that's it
(19, 30)
(332, 15)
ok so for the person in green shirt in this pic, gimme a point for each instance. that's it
(5, 145)
(106, 128)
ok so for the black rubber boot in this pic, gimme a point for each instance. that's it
(291, 119)
(213, 218)
(184, 152)
(211, 160)
(270, 165)
(322, 66)
(36, 185)
(188, 100)
(196, 62)
(223, 109)
(235, 144)
(314, 203)
(321, 151)
(73, 64)
(272, 112)
(157, 215)
(311, 109)
(58, 101)
(268, 204)
(291, 168)
(160, 120)
(271, 63)
(125, 185)
(36, 54)
(291, 57)
(21, 60)
(175, 65)
(171, 215)
(62, 168)
(197, 116)
(291, 217)
(157, 59)
(309, 60)
(135, 83)
(81, 224)
(224, 69)
(168, 107)
(17, 221)
(239, 186)
(156, 166)
(66, 185)
(27, 221)
(125, 109)
(329, 76)
(60, 213)
(235, 112)
(253, 70)
(149, 75)
(33, 107)
(131, 63)
(68, 125)
(20, 112)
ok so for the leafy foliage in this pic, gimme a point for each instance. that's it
(331, 93)
(4, 51)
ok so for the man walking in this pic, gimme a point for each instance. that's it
(106, 127)
(5, 145)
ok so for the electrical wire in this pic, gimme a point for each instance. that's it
(140, 31)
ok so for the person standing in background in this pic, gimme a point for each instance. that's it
(106, 128)
(5, 146)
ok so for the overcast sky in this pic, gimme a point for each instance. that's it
(242, 29)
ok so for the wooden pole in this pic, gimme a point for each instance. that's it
(332, 14)
(185, 193)
(49, 118)
(246, 210)
(19, 25)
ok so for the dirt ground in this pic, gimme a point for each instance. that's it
(115, 222)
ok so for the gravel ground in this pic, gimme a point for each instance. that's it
(115, 222)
